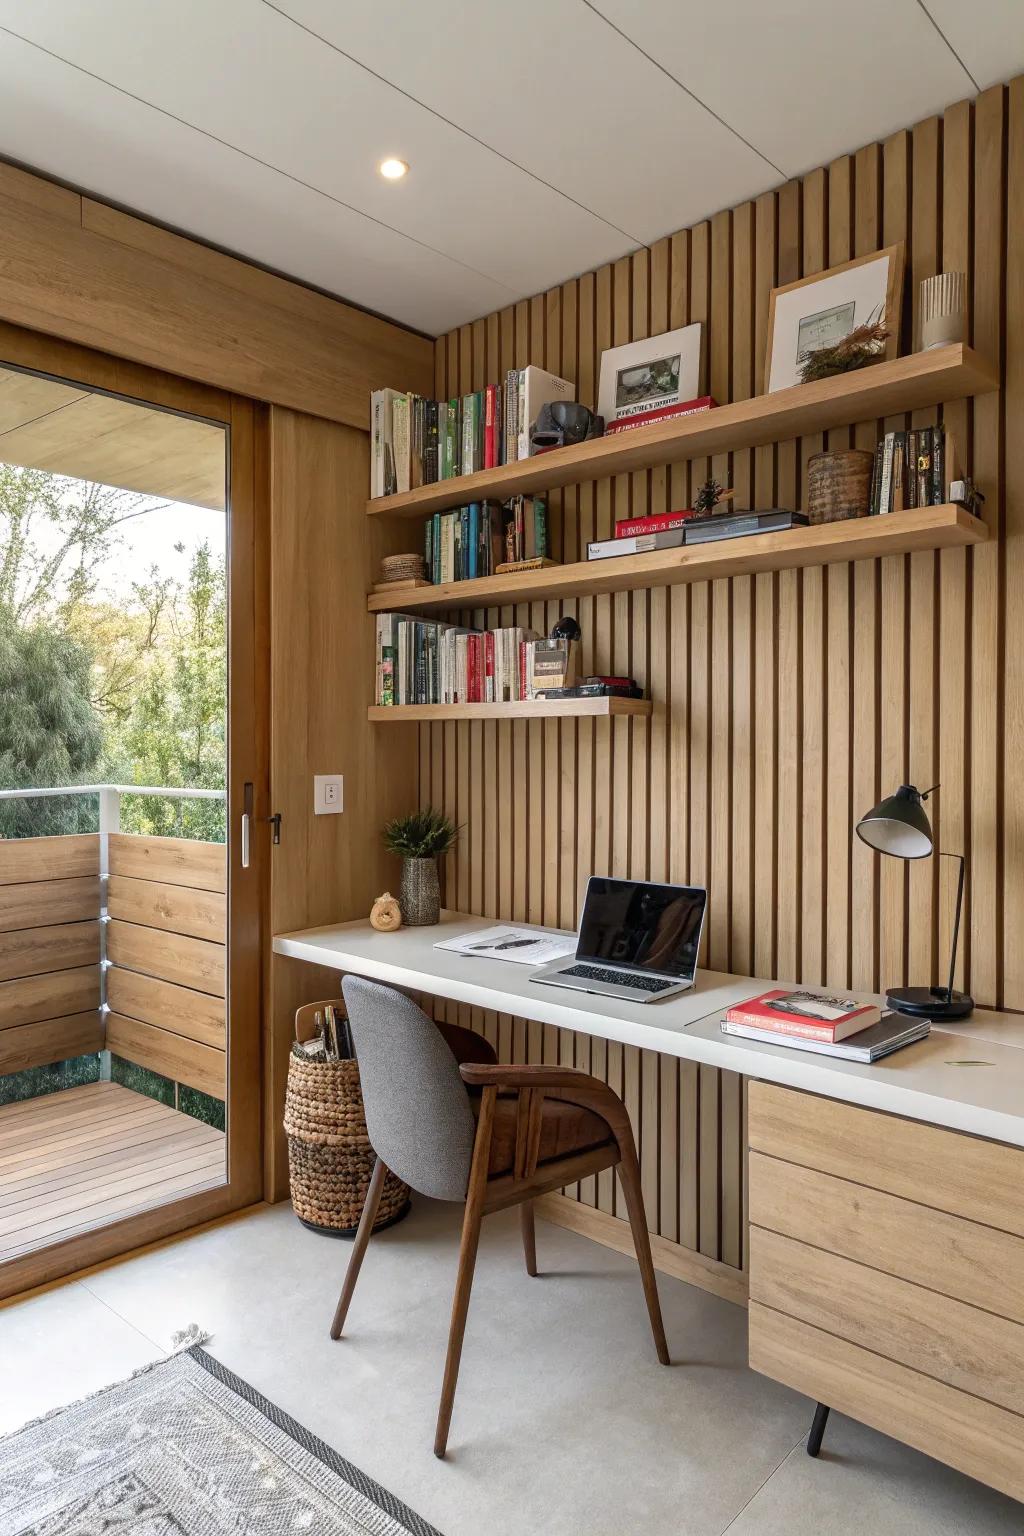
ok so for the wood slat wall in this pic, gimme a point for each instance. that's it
(166, 943)
(783, 704)
(49, 950)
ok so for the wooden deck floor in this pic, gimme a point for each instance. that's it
(72, 1161)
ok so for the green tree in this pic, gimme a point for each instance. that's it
(175, 732)
(50, 733)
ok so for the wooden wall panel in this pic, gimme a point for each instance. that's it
(783, 704)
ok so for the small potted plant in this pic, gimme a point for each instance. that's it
(420, 840)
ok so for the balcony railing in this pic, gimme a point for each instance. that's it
(114, 942)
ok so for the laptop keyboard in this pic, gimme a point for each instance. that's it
(617, 978)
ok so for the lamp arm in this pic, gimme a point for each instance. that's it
(956, 920)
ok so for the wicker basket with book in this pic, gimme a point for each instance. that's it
(329, 1154)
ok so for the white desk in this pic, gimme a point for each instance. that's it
(922, 1082)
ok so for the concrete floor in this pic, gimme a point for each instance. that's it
(564, 1425)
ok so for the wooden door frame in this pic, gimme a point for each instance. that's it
(249, 730)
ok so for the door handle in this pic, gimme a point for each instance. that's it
(246, 824)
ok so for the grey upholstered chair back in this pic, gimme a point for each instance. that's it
(418, 1115)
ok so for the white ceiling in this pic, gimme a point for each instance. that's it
(544, 137)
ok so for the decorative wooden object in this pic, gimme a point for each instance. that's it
(385, 914)
(520, 709)
(839, 484)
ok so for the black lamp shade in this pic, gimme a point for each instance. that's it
(898, 826)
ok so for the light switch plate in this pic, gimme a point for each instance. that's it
(328, 794)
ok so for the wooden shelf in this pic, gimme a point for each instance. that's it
(861, 538)
(523, 709)
(884, 389)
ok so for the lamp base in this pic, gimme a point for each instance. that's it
(936, 1003)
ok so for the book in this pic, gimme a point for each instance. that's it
(807, 1015)
(537, 387)
(628, 527)
(639, 544)
(892, 1033)
(492, 427)
(736, 525)
(663, 413)
(510, 567)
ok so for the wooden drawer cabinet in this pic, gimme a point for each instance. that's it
(887, 1276)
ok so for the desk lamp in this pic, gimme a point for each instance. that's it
(899, 826)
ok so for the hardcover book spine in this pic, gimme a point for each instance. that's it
(657, 523)
(822, 1032)
(491, 459)
(885, 492)
(938, 483)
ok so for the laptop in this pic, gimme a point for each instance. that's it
(637, 941)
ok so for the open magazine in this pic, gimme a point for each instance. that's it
(521, 945)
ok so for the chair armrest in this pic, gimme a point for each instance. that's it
(504, 1075)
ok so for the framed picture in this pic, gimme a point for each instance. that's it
(648, 375)
(819, 311)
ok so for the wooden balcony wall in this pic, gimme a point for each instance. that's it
(49, 950)
(166, 943)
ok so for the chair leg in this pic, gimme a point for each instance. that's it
(817, 1432)
(629, 1178)
(369, 1215)
(467, 1263)
(529, 1236)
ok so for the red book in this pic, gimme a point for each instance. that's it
(807, 1015)
(625, 529)
(491, 455)
(663, 413)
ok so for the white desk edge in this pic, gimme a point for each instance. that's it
(968, 1077)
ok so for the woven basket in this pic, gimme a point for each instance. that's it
(329, 1154)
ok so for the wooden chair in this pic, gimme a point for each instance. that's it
(448, 1120)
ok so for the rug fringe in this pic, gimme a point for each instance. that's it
(181, 1340)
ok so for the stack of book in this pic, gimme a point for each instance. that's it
(485, 538)
(912, 469)
(415, 441)
(829, 1026)
(663, 413)
(670, 530)
(420, 661)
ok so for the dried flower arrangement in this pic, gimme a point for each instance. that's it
(709, 498)
(865, 344)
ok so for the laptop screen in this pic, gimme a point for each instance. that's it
(650, 927)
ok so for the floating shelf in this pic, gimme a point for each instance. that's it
(884, 389)
(859, 538)
(523, 709)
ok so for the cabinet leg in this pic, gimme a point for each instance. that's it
(816, 1435)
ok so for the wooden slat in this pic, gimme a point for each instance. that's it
(176, 908)
(171, 860)
(48, 1040)
(965, 1432)
(181, 1060)
(40, 903)
(27, 859)
(962, 1175)
(35, 951)
(787, 695)
(49, 997)
(183, 1010)
(947, 1254)
(948, 1340)
(168, 956)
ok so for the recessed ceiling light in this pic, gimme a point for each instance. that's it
(392, 170)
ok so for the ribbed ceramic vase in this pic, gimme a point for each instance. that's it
(943, 308)
(420, 896)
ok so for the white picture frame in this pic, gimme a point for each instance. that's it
(648, 375)
(819, 311)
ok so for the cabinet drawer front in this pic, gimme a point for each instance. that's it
(933, 1335)
(963, 1175)
(976, 1437)
(957, 1258)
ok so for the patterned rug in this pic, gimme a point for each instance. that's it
(185, 1448)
